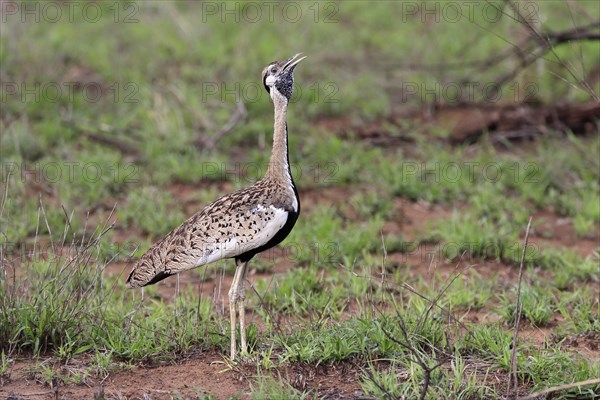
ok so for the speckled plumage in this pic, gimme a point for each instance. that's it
(232, 226)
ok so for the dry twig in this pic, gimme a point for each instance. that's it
(238, 115)
(512, 376)
(561, 387)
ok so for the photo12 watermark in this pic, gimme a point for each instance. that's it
(467, 252)
(270, 11)
(70, 171)
(251, 92)
(468, 11)
(69, 11)
(469, 91)
(57, 92)
(469, 171)
(16, 253)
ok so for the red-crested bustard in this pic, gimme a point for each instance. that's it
(238, 225)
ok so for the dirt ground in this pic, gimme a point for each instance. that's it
(207, 370)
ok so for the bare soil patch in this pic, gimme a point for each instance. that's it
(202, 373)
(552, 230)
(587, 344)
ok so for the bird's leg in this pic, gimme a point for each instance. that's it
(232, 317)
(233, 300)
(242, 298)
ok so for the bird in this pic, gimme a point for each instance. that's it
(238, 225)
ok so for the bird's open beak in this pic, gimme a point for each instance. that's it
(292, 62)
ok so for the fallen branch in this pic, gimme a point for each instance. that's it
(92, 133)
(514, 122)
(210, 142)
(546, 42)
(554, 389)
(118, 144)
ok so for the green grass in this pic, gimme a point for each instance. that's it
(470, 293)
(65, 306)
(549, 366)
(581, 312)
(567, 267)
(71, 164)
(537, 305)
(403, 380)
(268, 387)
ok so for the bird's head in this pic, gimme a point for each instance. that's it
(278, 76)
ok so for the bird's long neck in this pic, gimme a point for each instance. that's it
(279, 165)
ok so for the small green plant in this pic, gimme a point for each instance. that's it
(489, 342)
(553, 366)
(464, 382)
(200, 395)
(5, 367)
(537, 305)
(473, 293)
(101, 363)
(265, 359)
(581, 310)
(70, 348)
(386, 383)
(48, 375)
(270, 388)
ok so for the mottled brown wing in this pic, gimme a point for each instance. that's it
(224, 229)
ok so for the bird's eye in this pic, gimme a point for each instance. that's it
(274, 70)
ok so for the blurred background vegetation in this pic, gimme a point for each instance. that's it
(139, 94)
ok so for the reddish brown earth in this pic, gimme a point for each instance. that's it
(202, 373)
(554, 231)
